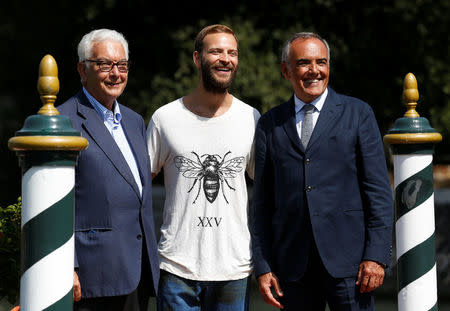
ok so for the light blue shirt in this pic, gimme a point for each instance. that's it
(112, 122)
(300, 113)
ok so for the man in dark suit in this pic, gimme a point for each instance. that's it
(322, 204)
(116, 261)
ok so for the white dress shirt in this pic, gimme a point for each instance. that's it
(112, 122)
(300, 113)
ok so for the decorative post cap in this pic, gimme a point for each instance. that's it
(48, 130)
(48, 85)
(410, 95)
(411, 129)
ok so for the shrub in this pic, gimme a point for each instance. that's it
(10, 218)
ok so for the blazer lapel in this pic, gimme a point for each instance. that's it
(100, 135)
(330, 111)
(289, 124)
(137, 145)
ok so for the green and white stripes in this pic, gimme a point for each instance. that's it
(416, 264)
(47, 238)
(47, 147)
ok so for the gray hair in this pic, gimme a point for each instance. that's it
(302, 35)
(99, 35)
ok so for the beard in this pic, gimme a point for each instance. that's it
(210, 83)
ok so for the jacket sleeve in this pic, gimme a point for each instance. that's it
(262, 207)
(376, 190)
(76, 266)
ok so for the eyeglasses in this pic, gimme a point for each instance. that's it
(107, 65)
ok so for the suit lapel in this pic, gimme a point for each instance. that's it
(100, 135)
(138, 147)
(327, 117)
(289, 124)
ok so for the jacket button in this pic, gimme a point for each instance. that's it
(309, 188)
(139, 236)
(307, 161)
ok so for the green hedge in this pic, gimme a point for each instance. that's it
(10, 251)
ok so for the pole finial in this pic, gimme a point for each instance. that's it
(410, 96)
(411, 129)
(47, 131)
(48, 85)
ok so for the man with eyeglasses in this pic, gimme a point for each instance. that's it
(116, 261)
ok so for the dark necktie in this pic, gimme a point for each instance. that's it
(307, 124)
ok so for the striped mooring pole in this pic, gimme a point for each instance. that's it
(47, 147)
(412, 141)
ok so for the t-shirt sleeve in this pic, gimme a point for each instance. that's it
(154, 146)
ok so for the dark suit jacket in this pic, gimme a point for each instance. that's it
(108, 207)
(336, 191)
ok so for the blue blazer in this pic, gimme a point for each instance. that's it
(336, 191)
(108, 207)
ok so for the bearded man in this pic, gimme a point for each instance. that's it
(204, 143)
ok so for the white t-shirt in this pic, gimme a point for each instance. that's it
(205, 233)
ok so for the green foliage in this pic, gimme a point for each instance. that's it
(259, 81)
(374, 44)
(10, 218)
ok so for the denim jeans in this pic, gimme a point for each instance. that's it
(178, 294)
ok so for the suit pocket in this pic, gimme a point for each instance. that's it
(91, 234)
(95, 224)
(354, 210)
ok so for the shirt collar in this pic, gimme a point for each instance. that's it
(103, 112)
(318, 102)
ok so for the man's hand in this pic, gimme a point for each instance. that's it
(76, 287)
(265, 282)
(370, 276)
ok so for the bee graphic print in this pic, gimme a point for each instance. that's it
(211, 172)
